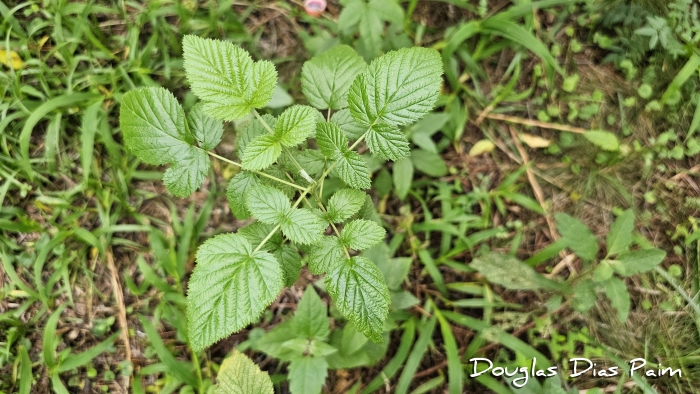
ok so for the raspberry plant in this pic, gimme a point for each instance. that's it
(239, 274)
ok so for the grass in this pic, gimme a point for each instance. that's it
(95, 255)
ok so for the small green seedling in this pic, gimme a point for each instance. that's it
(239, 274)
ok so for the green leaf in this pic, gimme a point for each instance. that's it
(616, 291)
(347, 124)
(310, 321)
(253, 129)
(326, 79)
(602, 272)
(206, 130)
(271, 343)
(153, 124)
(603, 139)
(345, 203)
(325, 253)
(620, 235)
(584, 296)
(310, 160)
(511, 273)
(429, 163)
(268, 204)
(240, 375)
(403, 177)
(187, 174)
(295, 124)
(237, 193)
(303, 226)
(360, 294)
(362, 234)
(388, 142)
(257, 232)
(229, 288)
(353, 170)
(387, 10)
(261, 152)
(330, 139)
(397, 88)
(290, 261)
(577, 236)
(641, 260)
(307, 375)
(225, 78)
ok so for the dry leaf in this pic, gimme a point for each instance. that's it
(534, 141)
(483, 146)
(15, 61)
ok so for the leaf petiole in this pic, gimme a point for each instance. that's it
(274, 178)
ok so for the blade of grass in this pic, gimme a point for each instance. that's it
(78, 360)
(177, 368)
(416, 355)
(25, 372)
(690, 68)
(409, 334)
(454, 365)
(50, 338)
(429, 385)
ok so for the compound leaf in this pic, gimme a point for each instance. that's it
(295, 124)
(268, 204)
(325, 253)
(388, 142)
(253, 129)
(347, 124)
(330, 139)
(206, 130)
(237, 192)
(307, 374)
(229, 288)
(326, 79)
(353, 170)
(240, 375)
(311, 318)
(360, 294)
(257, 232)
(397, 88)
(362, 234)
(261, 152)
(345, 203)
(303, 226)
(225, 78)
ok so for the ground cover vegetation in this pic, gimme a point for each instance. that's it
(236, 196)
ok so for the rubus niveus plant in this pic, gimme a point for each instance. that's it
(239, 274)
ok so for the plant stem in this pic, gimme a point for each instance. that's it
(286, 150)
(274, 178)
(261, 120)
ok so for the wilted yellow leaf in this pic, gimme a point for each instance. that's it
(15, 61)
(534, 141)
(483, 146)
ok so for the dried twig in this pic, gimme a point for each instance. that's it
(121, 316)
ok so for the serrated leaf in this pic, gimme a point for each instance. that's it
(303, 226)
(225, 78)
(577, 236)
(616, 291)
(620, 235)
(362, 234)
(353, 170)
(347, 124)
(510, 272)
(397, 88)
(603, 139)
(261, 152)
(325, 253)
(388, 142)
(307, 375)
(240, 375)
(253, 129)
(237, 192)
(268, 204)
(153, 124)
(360, 294)
(330, 139)
(311, 160)
(206, 130)
(345, 203)
(641, 260)
(290, 261)
(310, 321)
(257, 232)
(295, 124)
(326, 79)
(187, 174)
(229, 288)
